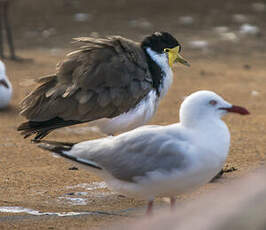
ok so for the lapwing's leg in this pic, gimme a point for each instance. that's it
(149, 208)
(8, 31)
(1, 30)
(172, 203)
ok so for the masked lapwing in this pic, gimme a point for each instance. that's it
(113, 83)
(5, 87)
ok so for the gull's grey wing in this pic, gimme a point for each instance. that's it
(134, 155)
(107, 76)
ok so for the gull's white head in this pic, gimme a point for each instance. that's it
(205, 106)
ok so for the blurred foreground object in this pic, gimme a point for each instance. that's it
(4, 25)
(239, 205)
(5, 87)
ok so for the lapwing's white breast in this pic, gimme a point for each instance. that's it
(134, 118)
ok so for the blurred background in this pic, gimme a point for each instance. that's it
(238, 24)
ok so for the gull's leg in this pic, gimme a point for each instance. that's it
(149, 208)
(172, 203)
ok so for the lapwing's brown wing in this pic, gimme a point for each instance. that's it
(101, 79)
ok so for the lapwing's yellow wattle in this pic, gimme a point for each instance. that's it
(174, 56)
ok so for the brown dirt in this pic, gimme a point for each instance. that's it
(32, 178)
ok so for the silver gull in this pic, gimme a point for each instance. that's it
(160, 161)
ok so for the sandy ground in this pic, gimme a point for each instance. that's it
(33, 179)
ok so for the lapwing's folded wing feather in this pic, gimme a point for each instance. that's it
(107, 76)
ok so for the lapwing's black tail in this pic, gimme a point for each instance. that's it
(43, 128)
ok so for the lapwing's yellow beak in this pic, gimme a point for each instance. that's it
(174, 56)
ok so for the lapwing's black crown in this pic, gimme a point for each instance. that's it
(158, 41)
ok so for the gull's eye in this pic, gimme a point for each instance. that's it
(212, 102)
(166, 50)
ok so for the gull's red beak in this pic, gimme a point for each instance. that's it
(237, 109)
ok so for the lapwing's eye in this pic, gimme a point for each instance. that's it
(166, 50)
(212, 102)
